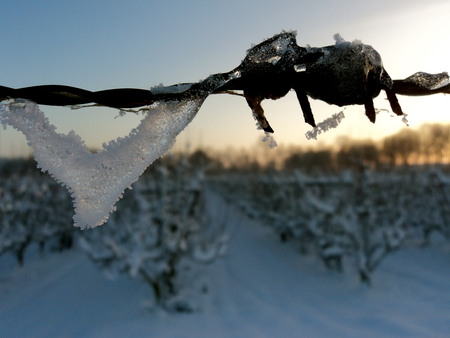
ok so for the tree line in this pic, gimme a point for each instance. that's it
(424, 145)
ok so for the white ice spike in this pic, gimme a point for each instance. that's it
(97, 181)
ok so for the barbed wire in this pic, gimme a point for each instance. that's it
(269, 70)
(60, 95)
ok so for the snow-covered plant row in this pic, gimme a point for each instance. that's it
(33, 209)
(364, 216)
(160, 233)
(167, 228)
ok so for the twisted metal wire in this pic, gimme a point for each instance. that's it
(59, 95)
(258, 80)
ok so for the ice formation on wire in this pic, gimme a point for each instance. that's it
(178, 88)
(269, 138)
(429, 81)
(325, 125)
(97, 181)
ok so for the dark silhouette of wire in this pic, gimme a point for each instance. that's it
(267, 72)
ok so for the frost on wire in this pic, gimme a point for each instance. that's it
(97, 181)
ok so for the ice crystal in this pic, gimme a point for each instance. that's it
(325, 125)
(97, 181)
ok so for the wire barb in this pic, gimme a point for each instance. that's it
(269, 71)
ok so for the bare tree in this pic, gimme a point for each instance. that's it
(435, 139)
(401, 146)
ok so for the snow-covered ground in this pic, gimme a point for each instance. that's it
(260, 288)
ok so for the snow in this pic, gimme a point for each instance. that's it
(268, 137)
(325, 125)
(260, 288)
(341, 42)
(274, 49)
(97, 181)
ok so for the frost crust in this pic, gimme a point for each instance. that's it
(327, 124)
(97, 181)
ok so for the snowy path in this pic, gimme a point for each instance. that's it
(260, 288)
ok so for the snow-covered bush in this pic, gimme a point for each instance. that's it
(161, 224)
(373, 221)
(429, 203)
(33, 209)
(361, 216)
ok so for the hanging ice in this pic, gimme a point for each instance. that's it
(325, 125)
(97, 181)
(269, 137)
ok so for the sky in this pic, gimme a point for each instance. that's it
(99, 45)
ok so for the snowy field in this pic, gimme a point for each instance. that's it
(260, 288)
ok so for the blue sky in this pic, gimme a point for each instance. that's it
(111, 44)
